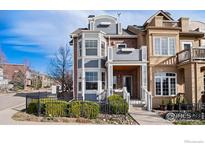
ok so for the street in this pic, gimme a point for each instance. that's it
(10, 100)
(15, 102)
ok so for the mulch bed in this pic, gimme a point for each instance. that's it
(101, 119)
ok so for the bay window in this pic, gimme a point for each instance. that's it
(103, 49)
(80, 49)
(165, 84)
(103, 80)
(164, 46)
(91, 79)
(91, 47)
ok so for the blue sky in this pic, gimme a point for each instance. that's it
(35, 36)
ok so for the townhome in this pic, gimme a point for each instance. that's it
(9, 71)
(146, 64)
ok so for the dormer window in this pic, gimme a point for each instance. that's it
(120, 46)
(105, 24)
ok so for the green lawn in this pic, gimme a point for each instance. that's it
(193, 122)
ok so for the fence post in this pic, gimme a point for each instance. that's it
(39, 107)
(26, 104)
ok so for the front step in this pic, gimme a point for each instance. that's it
(137, 103)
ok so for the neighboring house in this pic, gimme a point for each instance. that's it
(155, 61)
(3, 81)
(47, 81)
(10, 69)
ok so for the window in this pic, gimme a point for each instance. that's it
(80, 49)
(103, 80)
(114, 82)
(79, 86)
(79, 63)
(120, 46)
(186, 45)
(103, 49)
(164, 45)
(165, 84)
(91, 47)
(91, 79)
(91, 63)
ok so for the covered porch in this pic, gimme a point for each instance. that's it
(130, 81)
(129, 77)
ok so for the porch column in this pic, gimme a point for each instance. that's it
(83, 67)
(143, 80)
(110, 79)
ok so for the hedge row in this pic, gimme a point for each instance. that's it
(86, 109)
(57, 108)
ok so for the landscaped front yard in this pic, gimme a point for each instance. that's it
(101, 119)
(54, 110)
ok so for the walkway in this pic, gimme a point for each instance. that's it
(144, 117)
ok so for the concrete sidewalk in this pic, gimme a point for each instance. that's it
(6, 118)
(144, 117)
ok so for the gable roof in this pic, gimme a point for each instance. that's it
(163, 13)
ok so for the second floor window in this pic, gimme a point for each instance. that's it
(164, 46)
(91, 47)
(80, 49)
(103, 49)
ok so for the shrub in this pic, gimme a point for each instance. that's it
(90, 110)
(117, 105)
(33, 107)
(56, 108)
(84, 109)
(48, 107)
(75, 109)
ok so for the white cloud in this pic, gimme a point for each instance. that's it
(51, 29)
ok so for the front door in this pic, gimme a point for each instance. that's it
(127, 82)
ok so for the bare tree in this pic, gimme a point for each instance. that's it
(18, 80)
(2, 57)
(59, 68)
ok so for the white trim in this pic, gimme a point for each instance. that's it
(161, 79)
(186, 42)
(98, 79)
(80, 40)
(160, 50)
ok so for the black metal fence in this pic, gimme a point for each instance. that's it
(36, 104)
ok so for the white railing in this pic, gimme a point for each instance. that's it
(126, 95)
(127, 54)
(102, 96)
(148, 99)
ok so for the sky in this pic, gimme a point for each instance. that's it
(36, 36)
